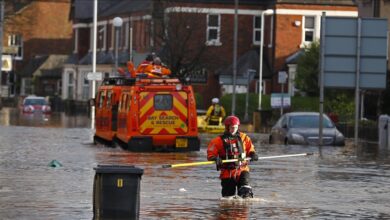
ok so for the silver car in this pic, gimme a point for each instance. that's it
(303, 128)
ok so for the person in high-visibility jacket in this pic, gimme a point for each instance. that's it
(215, 113)
(233, 144)
(156, 69)
(142, 66)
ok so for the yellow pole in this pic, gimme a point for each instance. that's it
(198, 163)
(231, 160)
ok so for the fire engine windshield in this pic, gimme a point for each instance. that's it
(163, 102)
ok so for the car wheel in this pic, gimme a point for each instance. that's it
(285, 141)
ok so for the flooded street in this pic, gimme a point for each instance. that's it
(334, 183)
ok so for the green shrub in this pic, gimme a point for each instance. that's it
(342, 105)
(199, 101)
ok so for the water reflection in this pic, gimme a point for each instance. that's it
(13, 116)
(335, 183)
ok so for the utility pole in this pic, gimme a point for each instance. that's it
(235, 56)
(1, 43)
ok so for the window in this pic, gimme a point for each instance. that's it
(85, 94)
(16, 40)
(102, 96)
(213, 29)
(309, 29)
(109, 97)
(163, 102)
(124, 43)
(101, 37)
(70, 86)
(256, 30)
(28, 86)
(128, 103)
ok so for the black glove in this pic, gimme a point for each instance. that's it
(254, 156)
(218, 162)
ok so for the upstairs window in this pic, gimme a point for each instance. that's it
(101, 37)
(213, 29)
(256, 30)
(309, 29)
(16, 40)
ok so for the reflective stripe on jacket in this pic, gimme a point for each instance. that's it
(216, 149)
(214, 112)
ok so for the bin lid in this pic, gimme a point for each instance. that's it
(118, 169)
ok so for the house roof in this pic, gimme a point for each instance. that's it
(126, 6)
(84, 9)
(52, 67)
(33, 65)
(108, 58)
(293, 58)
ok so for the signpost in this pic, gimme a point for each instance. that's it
(353, 55)
(98, 76)
(279, 99)
(282, 78)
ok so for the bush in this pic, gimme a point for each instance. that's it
(341, 105)
(199, 101)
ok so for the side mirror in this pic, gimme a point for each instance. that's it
(284, 126)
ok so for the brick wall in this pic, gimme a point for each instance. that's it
(45, 27)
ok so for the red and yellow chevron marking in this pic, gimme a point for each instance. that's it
(163, 122)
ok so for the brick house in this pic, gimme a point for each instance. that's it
(197, 36)
(35, 33)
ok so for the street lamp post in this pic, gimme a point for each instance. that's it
(117, 24)
(268, 11)
(95, 5)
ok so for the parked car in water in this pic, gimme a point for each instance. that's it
(35, 104)
(302, 128)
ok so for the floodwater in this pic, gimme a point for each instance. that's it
(334, 183)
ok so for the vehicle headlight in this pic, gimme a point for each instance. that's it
(29, 108)
(46, 108)
(297, 138)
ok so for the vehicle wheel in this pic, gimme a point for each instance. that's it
(286, 141)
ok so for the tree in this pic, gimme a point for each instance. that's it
(180, 36)
(306, 79)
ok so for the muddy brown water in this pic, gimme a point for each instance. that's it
(334, 183)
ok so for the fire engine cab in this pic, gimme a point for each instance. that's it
(146, 114)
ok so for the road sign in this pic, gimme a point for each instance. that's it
(7, 63)
(98, 76)
(282, 77)
(277, 102)
(355, 46)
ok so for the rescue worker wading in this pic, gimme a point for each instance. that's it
(215, 112)
(233, 144)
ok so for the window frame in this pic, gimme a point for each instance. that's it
(16, 40)
(256, 30)
(217, 41)
(305, 30)
(71, 85)
(101, 44)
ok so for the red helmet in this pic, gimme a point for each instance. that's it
(231, 120)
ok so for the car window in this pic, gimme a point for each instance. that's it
(35, 102)
(283, 121)
(308, 121)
